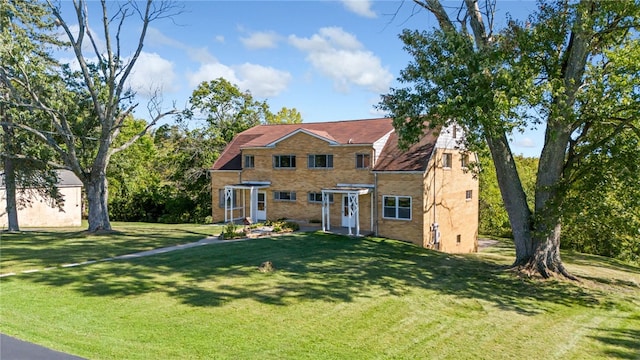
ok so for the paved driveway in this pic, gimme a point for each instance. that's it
(14, 349)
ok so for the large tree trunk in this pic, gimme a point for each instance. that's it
(10, 181)
(546, 242)
(97, 196)
(513, 196)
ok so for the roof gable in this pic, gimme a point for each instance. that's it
(361, 132)
(322, 135)
(415, 158)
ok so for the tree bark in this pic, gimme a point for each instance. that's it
(513, 196)
(10, 182)
(97, 195)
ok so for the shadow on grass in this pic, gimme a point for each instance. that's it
(52, 248)
(623, 344)
(315, 267)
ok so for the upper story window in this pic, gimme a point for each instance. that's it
(447, 161)
(249, 161)
(468, 194)
(284, 195)
(464, 160)
(284, 161)
(396, 207)
(363, 161)
(454, 132)
(320, 161)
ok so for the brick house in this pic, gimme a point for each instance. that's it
(352, 174)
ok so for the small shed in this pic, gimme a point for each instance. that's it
(44, 213)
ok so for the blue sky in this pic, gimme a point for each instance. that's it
(331, 60)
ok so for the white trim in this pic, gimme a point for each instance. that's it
(357, 185)
(305, 131)
(256, 182)
(399, 172)
(397, 207)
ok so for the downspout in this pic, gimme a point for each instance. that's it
(374, 204)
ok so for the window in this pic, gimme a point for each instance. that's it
(464, 160)
(396, 207)
(446, 161)
(363, 161)
(235, 196)
(320, 161)
(316, 197)
(284, 161)
(469, 194)
(249, 161)
(455, 132)
(284, 195)
(458, 239)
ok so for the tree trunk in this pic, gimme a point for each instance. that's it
(513, 196)
(97, 195)
(546, 259)
(10, 181)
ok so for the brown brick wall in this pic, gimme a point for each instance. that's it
(454, 214)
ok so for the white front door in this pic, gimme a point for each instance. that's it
(262, 206)
(345, 213)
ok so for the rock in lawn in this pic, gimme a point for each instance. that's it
(266, 266)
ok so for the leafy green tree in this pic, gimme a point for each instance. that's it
(131, 173)
(25, 164)
(225, 109)
(285, 116)
(86, 109)
(557, 62)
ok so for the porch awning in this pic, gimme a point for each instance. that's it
(348, 190)
(253, 198)
(249, 185)
(353, 192)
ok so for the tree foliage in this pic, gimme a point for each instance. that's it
(285, 116)
(85, 109)
(551, 70)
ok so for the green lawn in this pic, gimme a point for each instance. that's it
(331, 297)
(37, 249)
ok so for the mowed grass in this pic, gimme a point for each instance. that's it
(37, 249)
(330, 297)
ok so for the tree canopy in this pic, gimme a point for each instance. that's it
(561, 69)
(85, 109)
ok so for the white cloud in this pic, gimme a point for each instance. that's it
(152, 73)
(360, 7)
(525, 142)
(201, 55)
(212, 71)
(261, 40)
(340, 55)
(219, 39)
(262, 81)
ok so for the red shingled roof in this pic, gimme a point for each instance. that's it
(416, 158)
(341, 132)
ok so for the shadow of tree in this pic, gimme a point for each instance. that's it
(315, 267)
(44, 249)
(623, 344)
